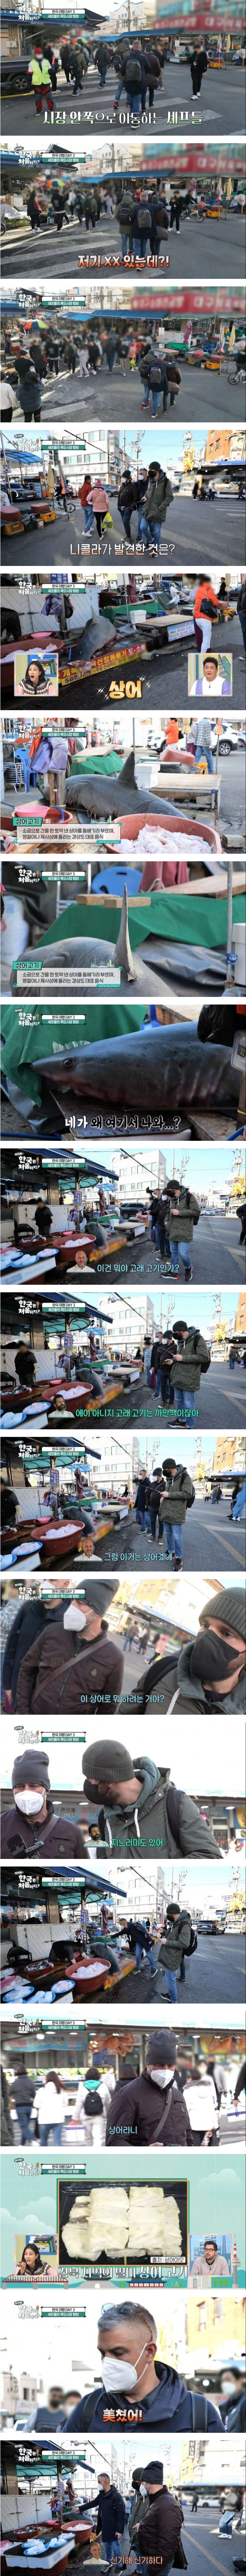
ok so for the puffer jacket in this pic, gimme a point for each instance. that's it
(161, 2529)
(186, 1369)
(157, 498)
(180, 1220)
(176, 1942)
(173, 1505)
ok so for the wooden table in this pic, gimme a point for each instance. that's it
(184, 784)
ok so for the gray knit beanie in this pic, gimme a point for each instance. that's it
(33, 1767)
(161, 2050)
(229, 1606)
(107, 1761)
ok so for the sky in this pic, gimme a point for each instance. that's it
(200, 1304)
(164, 443)
(218, 1162)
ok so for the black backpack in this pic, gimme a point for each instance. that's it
(205, 1363)
(133, 70)
(192, 1945)
(190, 1497)
(143, 218)
(156, 373)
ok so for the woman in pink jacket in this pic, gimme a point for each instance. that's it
(98, 502)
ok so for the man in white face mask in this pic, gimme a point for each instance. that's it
(148, 2110)
(31, 1824)
(148, 2391)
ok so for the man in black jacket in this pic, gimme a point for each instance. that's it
(160, 2533)
(111, 2519)
(140, 1499)
(198, 65)
(141, 2103)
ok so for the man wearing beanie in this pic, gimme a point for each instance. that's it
(210, 1671)
(192, 1357)
(148, 2110)
(31, 1824)
(158, 2538)
(76, 1663)
(137, 1807)
(139, 2508)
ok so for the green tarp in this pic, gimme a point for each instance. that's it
(199, 919)
(28, 1033)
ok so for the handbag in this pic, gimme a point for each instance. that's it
(180, 2560)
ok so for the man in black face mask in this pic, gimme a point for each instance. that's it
(210, 1670)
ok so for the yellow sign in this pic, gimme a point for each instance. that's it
(103, 662)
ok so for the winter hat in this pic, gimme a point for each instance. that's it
(161, 2049)
(154, 2470)
(32, 1767)
(99, 1595)
(172, 1910)
(229, 1606)
(107, 1762)
(180, 1325)
(167, 1465)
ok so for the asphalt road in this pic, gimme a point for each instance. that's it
(206, 247)
(218, 1257)
(215, 1975)
(202, 391)
(221, 1402)
(205, 2546)
(212, 1543)
(191, 528)
(163, 676)
(221, 105)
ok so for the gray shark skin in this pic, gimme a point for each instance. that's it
(83, 953)
(155, 1069)
(119, 794)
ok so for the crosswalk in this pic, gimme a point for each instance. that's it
(93, 105)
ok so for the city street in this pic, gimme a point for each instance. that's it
(220, 1403)
(215, 1975)
(203, 391)
(220, 106)
(212, 1542)
(218, 1257)
(205, 247)
(191, 528)
(205, 2546)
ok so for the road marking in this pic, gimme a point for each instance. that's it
(226, 1542)
(239, 1399)
(211, 2562)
